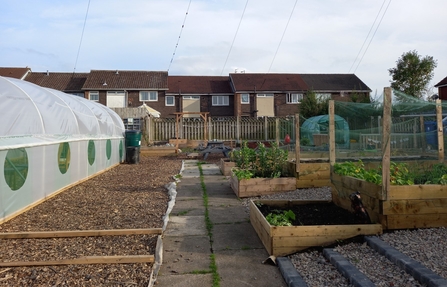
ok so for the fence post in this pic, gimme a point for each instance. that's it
(440, 130)
(277, 131)
(297, 144)
(266, 129)
(238, 129)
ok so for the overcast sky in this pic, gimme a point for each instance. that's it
(222, 36)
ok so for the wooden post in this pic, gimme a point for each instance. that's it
(331, 134)
(277, 131)
(297, 144)
(386, 143)
(266, 131)
(424, 136)
(238, 130)
(440, 131)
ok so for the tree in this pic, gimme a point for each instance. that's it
(413, 73)
(312, 106)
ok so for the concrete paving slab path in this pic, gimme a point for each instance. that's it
(189, 248)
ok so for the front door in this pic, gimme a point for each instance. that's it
(191, 104)
(116, 99)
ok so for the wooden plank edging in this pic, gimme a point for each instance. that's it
(79, 233)
(84, 260)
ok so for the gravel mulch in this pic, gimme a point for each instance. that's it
(424, 245)
(125, 197)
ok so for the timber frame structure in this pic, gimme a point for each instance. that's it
(178, 118)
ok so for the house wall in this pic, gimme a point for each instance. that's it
(282, 108)
(206, 105)
(442, 93)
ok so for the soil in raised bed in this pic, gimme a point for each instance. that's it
(315, 214)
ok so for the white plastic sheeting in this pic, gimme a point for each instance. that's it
(32, 115)
(50, 140)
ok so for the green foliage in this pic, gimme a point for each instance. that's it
(412, 73)
(437, 174)
(262, 162)
(400, 174)
(312, 106)
(278, 218)
(304, 141)
(242, 173)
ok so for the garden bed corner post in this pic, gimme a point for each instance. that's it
(297, 144)
(331, 134)
(386, 144)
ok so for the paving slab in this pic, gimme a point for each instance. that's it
(189, 207)
(186, 226)
(236, 236)
(185, 254)
(187, 280)
(245, 268)
(227, 214)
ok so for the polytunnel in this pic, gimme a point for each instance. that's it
(50, 140)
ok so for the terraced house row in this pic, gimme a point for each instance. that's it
(238, 94)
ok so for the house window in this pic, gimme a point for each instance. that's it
(323, 96)
(264, 95)
(191, 97)
(78, 94)
(169, 101)
(93, 96)
(220, 100)
(151, 96)
(245, 98)
(294, 98)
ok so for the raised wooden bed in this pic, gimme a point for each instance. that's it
(225, 166)
(261, 186)
(404, 206)
(285, 240)
(313, 173)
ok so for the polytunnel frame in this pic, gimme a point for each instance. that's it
(102, 115)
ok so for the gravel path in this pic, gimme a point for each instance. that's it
(424, 245)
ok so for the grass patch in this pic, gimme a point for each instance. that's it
(209, 227)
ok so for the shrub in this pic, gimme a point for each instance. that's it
(262, 162)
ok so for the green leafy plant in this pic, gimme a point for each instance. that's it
(400, 173)
(263, 162)
(242, 173)
(278, 218)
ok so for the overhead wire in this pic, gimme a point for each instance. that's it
(372, 37)
(367, 36)
(82, 36)
(180, 35)
(282, 37)
(234, 38)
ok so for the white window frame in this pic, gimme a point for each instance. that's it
(323, 96)
(294, 98)
(264, 95)
(247, 101)
(93, 94)
(173, 101)
(220, 100)
(191, 97)
(152, 96)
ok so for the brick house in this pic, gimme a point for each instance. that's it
(119, 89)
(338, 87)
(70, 83)
(442, 89)
(267, 94)
(211, 94)
(14, 72)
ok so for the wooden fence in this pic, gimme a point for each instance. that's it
(227, 129)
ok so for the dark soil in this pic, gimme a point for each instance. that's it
(315, 214)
